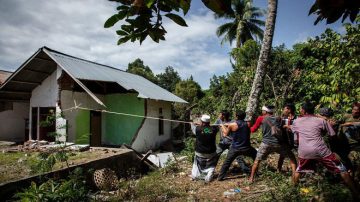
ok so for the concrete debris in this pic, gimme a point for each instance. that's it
(161, 159)
(79, 147)
(42, 145)
(6, 143)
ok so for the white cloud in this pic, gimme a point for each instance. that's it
(302, 37)
(75, 27)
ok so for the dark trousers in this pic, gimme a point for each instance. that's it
(224, 146)
(234, 154)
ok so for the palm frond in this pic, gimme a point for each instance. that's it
(222, 29)
(257, 22)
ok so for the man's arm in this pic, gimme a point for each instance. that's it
(193, 127)
(257, 124)
(329, 129)
(228, 127)
(350, 123)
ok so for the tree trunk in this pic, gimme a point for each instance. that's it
(258, 82)
(239, 30)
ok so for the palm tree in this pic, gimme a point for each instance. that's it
(245, 24)
(263, 59)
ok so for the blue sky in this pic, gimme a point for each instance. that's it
(75, 27)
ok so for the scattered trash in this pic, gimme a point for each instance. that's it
(182, 173)
(237, 190)
(181, 158)
(231, 192)
(304, 190)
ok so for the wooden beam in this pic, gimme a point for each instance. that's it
(43, 59)
(37, 71)
(26, 82)
(14, 100)
(14, 92)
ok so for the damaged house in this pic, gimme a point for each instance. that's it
(52, 82)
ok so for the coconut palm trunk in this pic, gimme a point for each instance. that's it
(239, 30)
(258, 82)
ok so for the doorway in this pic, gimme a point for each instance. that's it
(95, 129)
(47, 124)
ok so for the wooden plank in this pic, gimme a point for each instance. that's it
(37, 71)
(26, 82)
(15, 92)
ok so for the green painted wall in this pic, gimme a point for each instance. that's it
(82, 127)
(121, 129)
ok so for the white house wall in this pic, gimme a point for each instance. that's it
(148, 136)
(46, 94)
(12, 122)
(82, 99)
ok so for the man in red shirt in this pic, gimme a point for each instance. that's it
(270, 143)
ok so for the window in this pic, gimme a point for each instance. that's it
(161, 122)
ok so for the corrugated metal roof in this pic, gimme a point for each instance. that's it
(87, 70)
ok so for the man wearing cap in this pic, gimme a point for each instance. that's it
(205, 159)
(270, 143)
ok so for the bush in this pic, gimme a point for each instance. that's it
(72, 189)
(189, 149)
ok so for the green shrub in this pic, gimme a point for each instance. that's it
(71, 189)
(189, 149)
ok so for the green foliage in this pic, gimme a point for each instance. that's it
(144, 18)
(333, 10)
(324, 70)
(138, 67)
(316, 187)
(71, 189)
(48, 158)
(244, 24)
(190, 91)
(189, 149)
(169, 79)
(171, 167)
(331, 65)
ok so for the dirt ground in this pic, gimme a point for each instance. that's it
(199, 190)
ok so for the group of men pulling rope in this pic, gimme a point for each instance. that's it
(280, 135)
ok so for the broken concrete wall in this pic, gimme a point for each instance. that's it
(44, 95)
(149, 136)
(120, 129)
(79, 120)
(12, 122)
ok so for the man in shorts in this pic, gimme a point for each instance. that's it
(270, 144)
(312, 148)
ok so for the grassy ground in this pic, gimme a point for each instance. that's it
(17, 165)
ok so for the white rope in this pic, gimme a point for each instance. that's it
(77, 107)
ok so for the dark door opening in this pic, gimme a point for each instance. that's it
(34, 122)
(26, 130)
(95, 129)
(47, 124)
